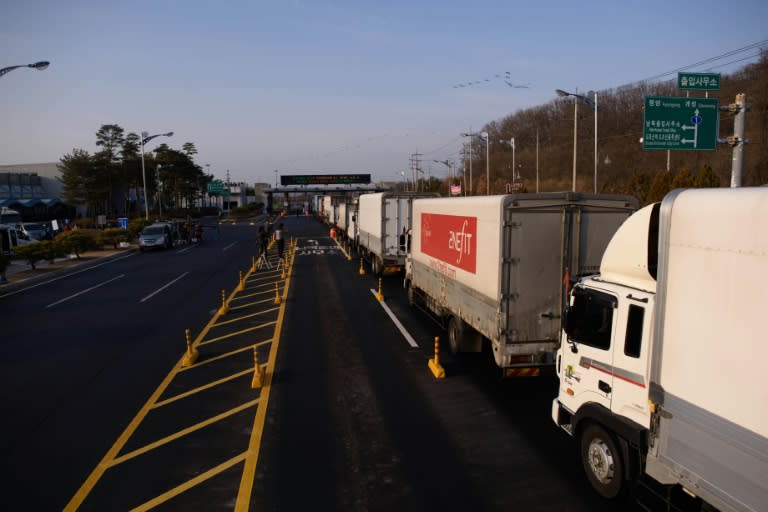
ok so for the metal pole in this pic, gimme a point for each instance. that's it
(487, 165)
(537, 160)
(738, 135)
(515, 174)
(575, 128)
(144, 176)
(471, 190)
(595, 142)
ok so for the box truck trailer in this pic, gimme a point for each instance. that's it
(663, 353)
(493, 267)
(384, 221)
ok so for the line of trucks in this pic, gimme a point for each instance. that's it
(650, 318)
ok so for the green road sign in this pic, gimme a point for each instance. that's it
(698, 81)
(216, 187)
(688, 124)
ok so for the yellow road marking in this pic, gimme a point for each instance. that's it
(181, 433)
(241, 318)
(254, 444)
(149, 505)
(249, 348)
(248, 304)
(220, 338)
(197, 390)
(249, 295)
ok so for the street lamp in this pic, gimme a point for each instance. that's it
(593, 105)
(159, 193)
(484, 135)
(37, 65)
(145, 137)
(515, 174)
(470, 135)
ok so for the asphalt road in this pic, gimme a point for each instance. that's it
(355, 420)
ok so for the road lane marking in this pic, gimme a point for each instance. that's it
(187, 248)
(199, 389)
(159, 500)
(249, 304)
(229, 246)
(49, 281)
(397, 323)
(248, 348)
(230, 335)
(244, 317)
(252, 455)
(65, 299)
(181, 433)
(162, 288)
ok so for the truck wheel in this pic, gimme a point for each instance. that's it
(455, 334)
(602, 461)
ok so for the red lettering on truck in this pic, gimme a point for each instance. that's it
(450, 238)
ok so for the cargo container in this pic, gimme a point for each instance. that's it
(493, 267)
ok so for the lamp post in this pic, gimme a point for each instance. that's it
(592, 103)
(37, 65)
(145, 137)
(515, 173)
(470, 135)
(484, 135)
(159, 193)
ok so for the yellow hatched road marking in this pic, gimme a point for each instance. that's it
(149, 505)
(226, 336)
(241, 318)
(248, 304)
(249, 348)
(254, 445)
(249, 295)
(181, 433)
(197, 390)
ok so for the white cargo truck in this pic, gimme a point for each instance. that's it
(663, 353)
(347, 221)
(493, 267)
(384, 220)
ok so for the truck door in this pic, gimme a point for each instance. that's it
(630, 356)
(586, 357)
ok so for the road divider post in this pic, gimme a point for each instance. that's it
(191, 354)
(434, 364)
(224, 309)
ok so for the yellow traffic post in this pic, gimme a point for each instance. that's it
(434, 364)
(241, 284)
(224, 309)
(253, 263)
(362, 270)
(258, 375)
(379, 295)
(191, 355)
(277, 295)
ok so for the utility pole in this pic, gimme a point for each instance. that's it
(737, 140)
(415, 169)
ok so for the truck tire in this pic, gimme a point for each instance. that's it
(455, 334)
(602, 462)
(410, 293)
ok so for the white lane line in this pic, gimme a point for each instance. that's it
(397, 323)
(229, 246)
(187, 248)
(85, 291)
(162, 288)
(67, 275)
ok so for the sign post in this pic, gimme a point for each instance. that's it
(686, 124)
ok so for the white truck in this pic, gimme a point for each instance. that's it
(347, 221)
(663, 353)
(384, 220)
(493, 267)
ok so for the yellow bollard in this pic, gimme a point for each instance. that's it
(362, 270)
(258, 374)
(434, 364)
(241, 284)
(253, 263)
(191, 355)
(224, 309)
(277, 295)
(379, 295)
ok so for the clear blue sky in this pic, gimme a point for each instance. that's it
(329, 86)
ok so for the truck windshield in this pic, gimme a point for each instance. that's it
(590, 318)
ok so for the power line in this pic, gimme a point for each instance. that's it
(731, 53)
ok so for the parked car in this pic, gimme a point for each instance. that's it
(156, 236)
(34, 230)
